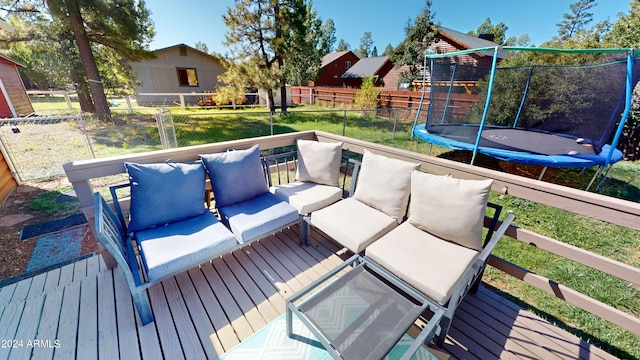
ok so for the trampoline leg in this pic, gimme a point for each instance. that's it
(430, 147)
(593, 179)
(604, 178)
(544, 170)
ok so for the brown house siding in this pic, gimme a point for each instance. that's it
(7, 182)
(15, 89)
(443, 46)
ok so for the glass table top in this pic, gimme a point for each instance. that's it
(361, 315)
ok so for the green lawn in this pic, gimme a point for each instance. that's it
(137, 132)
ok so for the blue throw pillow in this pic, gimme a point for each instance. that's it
(163, 193)
(235, 175)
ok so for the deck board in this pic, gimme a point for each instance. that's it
(197, 311)
(126, 318)
(48, 326)
(88, 324)
(209, 309)
(28, 327)
(167, 331)
(68, 324)
(107, 338)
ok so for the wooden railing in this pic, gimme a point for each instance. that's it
(611, 210)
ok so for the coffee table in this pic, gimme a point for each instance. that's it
(364, 312)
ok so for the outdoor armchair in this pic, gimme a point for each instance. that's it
(378, 204)
(439, 250)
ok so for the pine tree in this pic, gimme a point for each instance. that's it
(273, 38)
(343, 45)
(419, 34)
(366, 43)
(91, 36)
(388, 51)
(577, 19)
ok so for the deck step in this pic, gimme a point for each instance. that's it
(45, 282)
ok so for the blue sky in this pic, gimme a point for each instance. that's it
(190, 21)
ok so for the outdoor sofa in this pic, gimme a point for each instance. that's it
(436, 246)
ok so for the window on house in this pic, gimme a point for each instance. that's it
(183, 51)
(187, 77)
(347, 65)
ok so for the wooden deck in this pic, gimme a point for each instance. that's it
(84, 310)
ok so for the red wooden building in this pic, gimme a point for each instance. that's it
(377, 67)
(14, 100)
(333, 66)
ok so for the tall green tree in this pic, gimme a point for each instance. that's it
(579, 17)
(308, 40)
(366, 45)
(93, 37)
(418, 35)
(388, 51)
(499, 31)
(268, 37)
(574, 32)
(343, 45)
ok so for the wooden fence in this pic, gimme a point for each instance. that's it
(388, 99)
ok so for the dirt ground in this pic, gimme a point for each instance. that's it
(15, 214)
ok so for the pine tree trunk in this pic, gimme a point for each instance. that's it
(88, 61)
(272, 104)
(82, 89)
(283, 87)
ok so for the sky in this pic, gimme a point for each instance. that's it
(191, 21)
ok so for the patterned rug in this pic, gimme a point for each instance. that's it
(57, 248)
(272, 342)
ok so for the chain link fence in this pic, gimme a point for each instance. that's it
(381, 125)
(36, 147)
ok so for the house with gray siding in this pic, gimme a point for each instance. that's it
(176, 69)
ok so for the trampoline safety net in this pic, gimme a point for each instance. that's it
(577, 97)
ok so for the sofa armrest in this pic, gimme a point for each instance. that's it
(110, 233)
(476, 269)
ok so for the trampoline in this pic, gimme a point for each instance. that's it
(557, 108)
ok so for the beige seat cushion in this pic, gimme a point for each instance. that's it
(307, 197)
(352, 223)
(431, 265)
(319, 162)
(384, 184)
(452, 209)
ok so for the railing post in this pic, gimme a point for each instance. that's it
(182, 106)
(395, 122)
(67, 100)
(271, 121)
(127, 99)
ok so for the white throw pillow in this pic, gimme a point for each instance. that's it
(319, 162)
(385, 184)
(449, 208)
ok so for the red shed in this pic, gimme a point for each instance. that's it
(14, 100)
